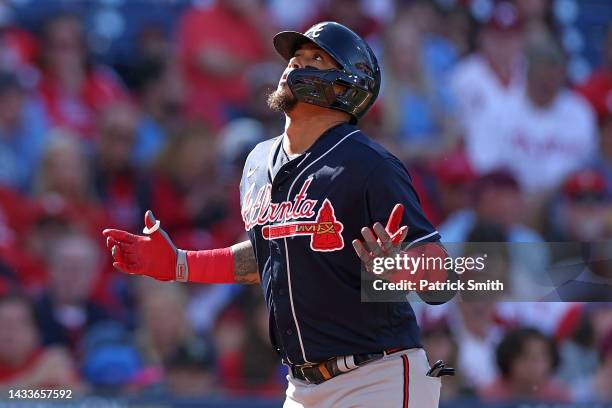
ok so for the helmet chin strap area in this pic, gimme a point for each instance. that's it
(316, 87)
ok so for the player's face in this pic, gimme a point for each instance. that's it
(308, 56)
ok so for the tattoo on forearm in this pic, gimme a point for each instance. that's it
(245, 265)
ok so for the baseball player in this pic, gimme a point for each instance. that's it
(318, 201)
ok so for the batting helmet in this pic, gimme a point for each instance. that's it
(358, 73)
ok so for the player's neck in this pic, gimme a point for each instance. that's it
(306, 123)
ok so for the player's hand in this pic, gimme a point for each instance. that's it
(153, 254)
(382, 241)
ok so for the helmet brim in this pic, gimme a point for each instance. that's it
(288, 42)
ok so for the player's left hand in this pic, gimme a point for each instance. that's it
(382, 241)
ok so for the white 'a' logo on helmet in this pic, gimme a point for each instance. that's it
(315, 30)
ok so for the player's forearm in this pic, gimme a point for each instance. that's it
(245, 265)
(235, 264)
(155, 255)
(436, 272)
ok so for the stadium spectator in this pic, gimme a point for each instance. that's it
(497, 199)
(66, 310)
(23, 131)
(350, 14)
(64, 184)
(457, 27)
(580, 219)
(538, 19)
(246, 367)
(294, 14)
(580, 353)
(166, 339)
(8, 280)
(62, 200)
(160, 93)
(597, 388)
(483, 82)
(476, 331)
(30, 261)
(551, 130)
(73, 89)
(438, 52)
(24, 362)
(189, 372)
(152, 43)
(214, 299)
(110, 361)
(598, 87)
(262, 79)
(213, 55)
(603, 160)
(189, 193)
(440, 343)
(453, 183)
(18, 213)
(581, 211)
(417, 107)
(230, 334)
(236, 140)
(489, 240)
(18, 47)
(122, 187)
(527, 360)
(600, 318)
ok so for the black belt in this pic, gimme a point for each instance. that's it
(321, 372)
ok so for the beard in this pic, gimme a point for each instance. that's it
(282, 99)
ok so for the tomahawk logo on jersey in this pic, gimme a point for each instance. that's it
(299, 214)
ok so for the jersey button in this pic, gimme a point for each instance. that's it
(289, 332)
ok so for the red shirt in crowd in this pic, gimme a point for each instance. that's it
(18, 48)
(598, 91)
(77, 112)
(9, 373)
(215, 29)
(224, 226)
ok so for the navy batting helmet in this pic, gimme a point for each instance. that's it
(359, 73)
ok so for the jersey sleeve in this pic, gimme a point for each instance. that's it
(389, 184)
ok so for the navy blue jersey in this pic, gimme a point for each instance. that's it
(302, 214)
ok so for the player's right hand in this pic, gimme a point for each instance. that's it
(382, 241)
(153, 254)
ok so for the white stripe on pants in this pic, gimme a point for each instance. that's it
(377, 384)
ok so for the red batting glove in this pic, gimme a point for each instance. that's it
(393, 223)
(153, 255)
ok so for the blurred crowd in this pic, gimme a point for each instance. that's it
(502, 145)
